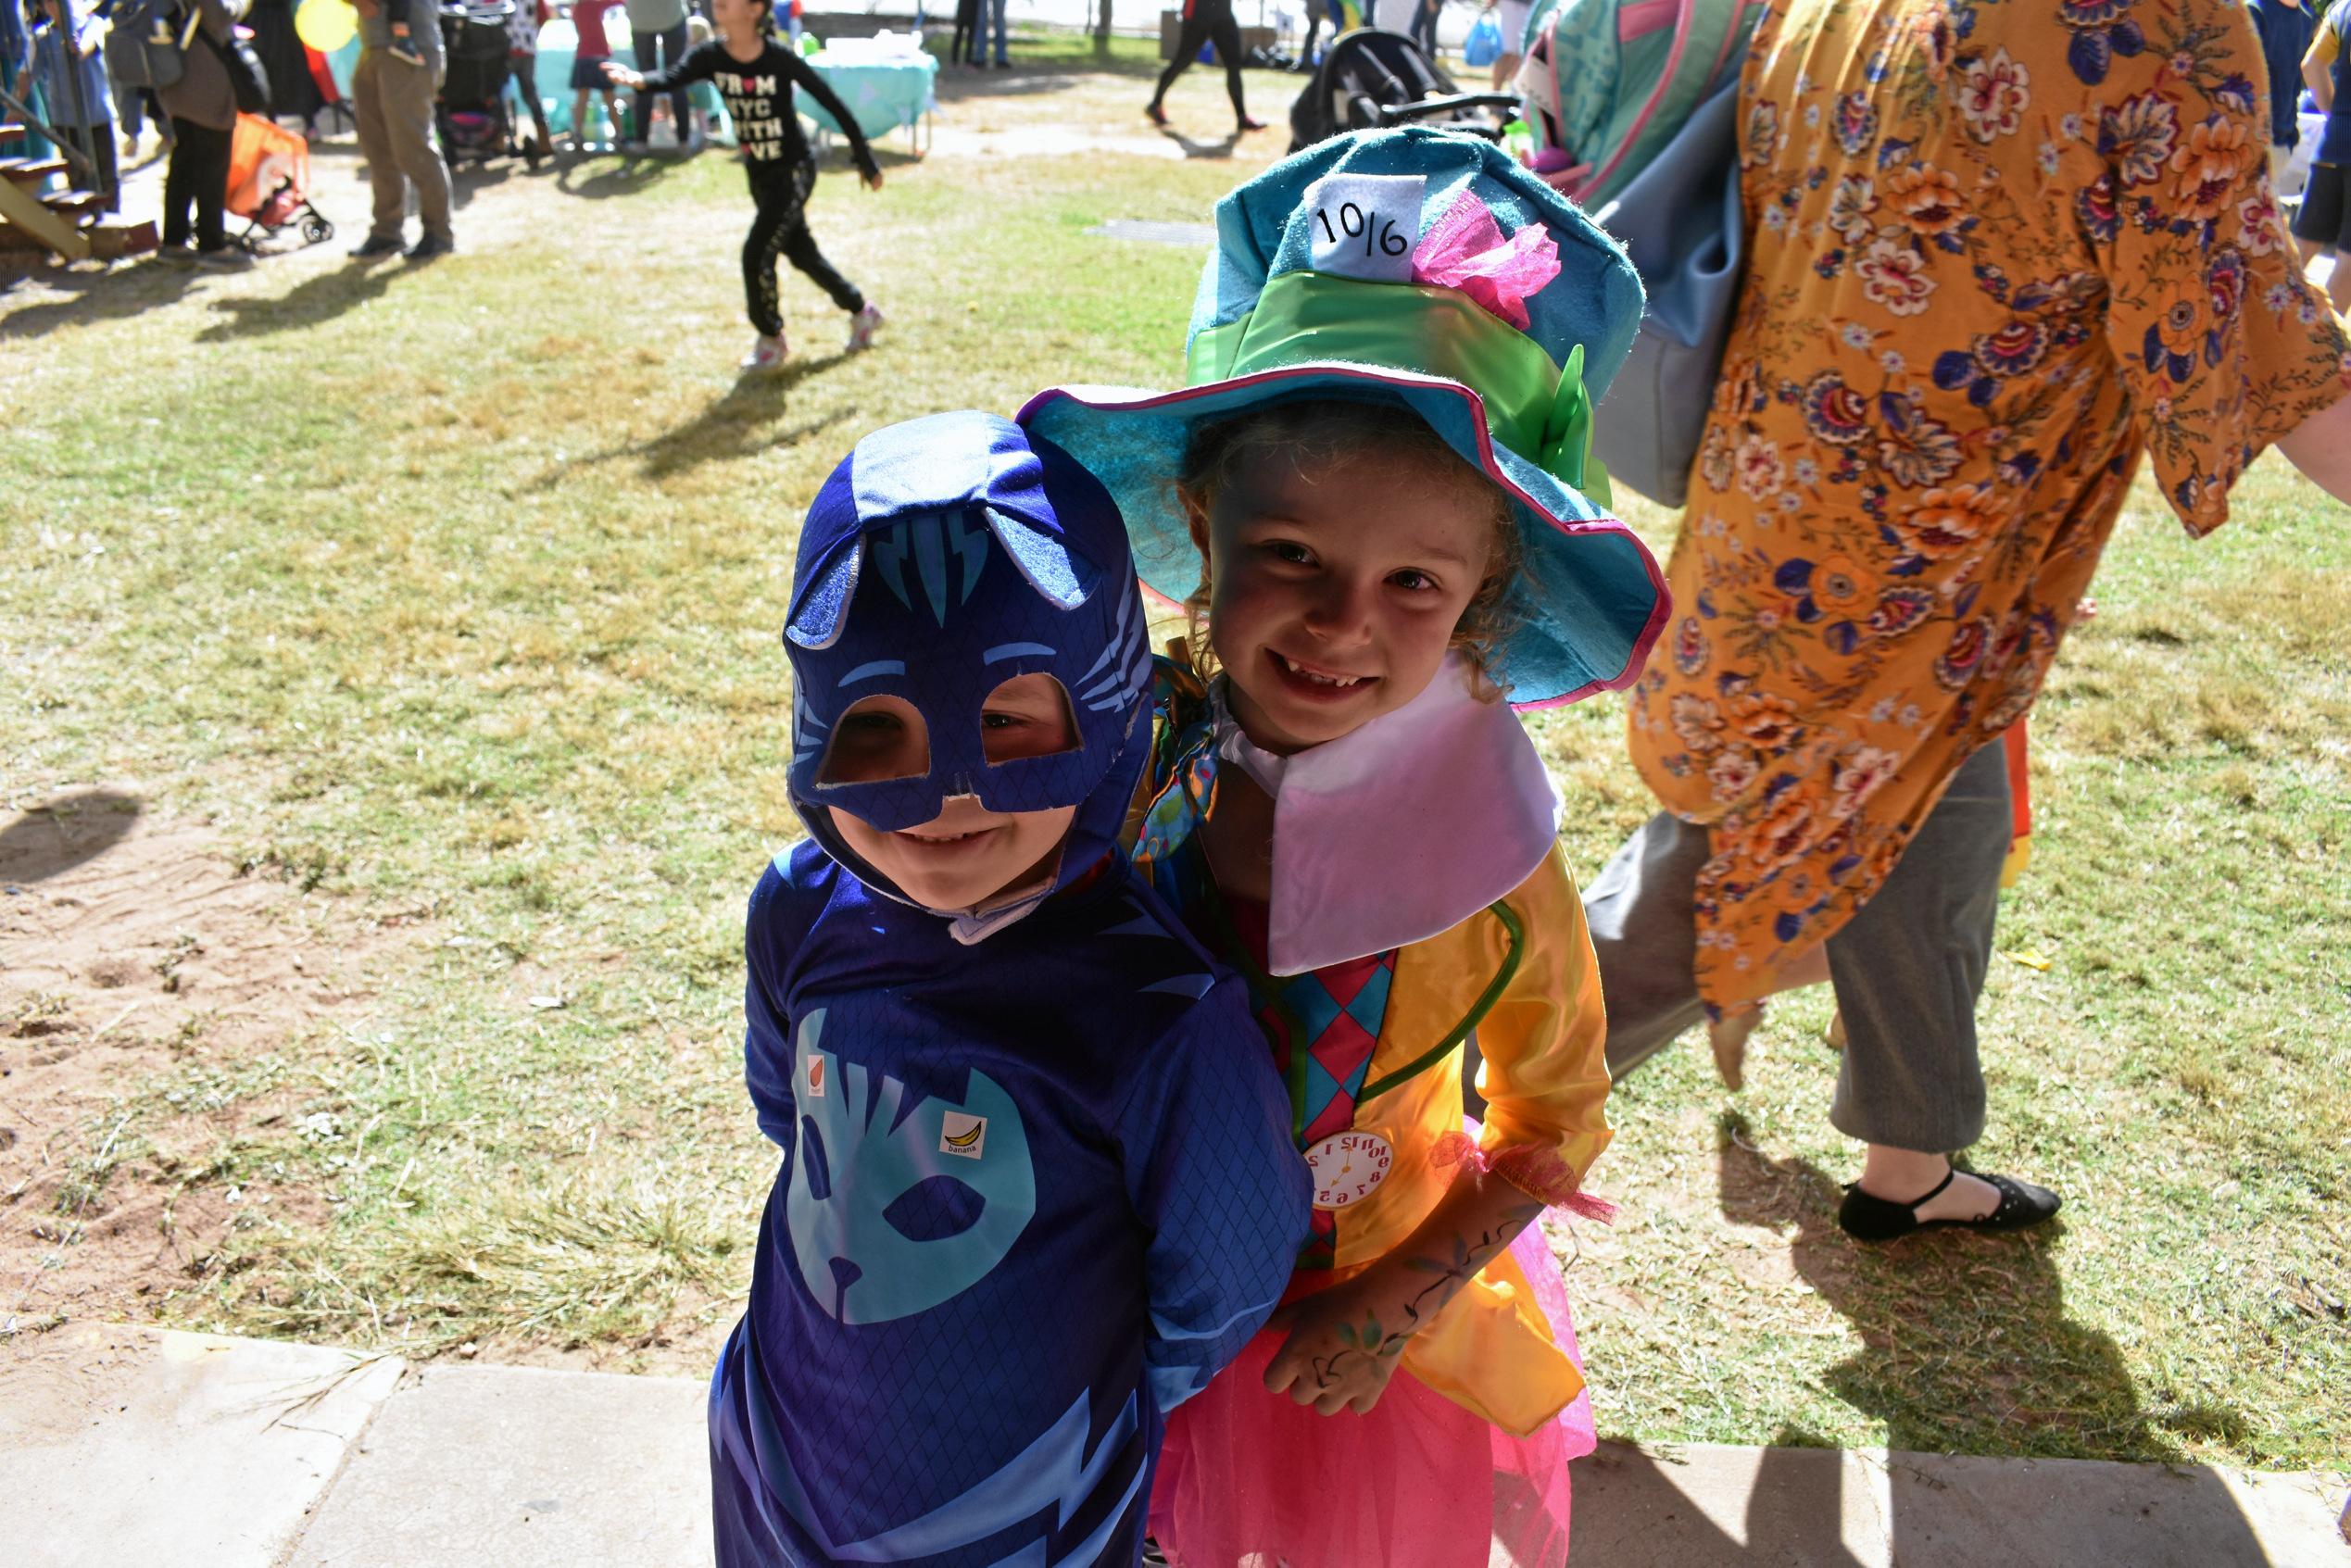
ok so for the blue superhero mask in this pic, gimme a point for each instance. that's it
(944, 557)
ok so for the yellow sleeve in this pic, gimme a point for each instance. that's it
(1545, 1074)
(2325, 45)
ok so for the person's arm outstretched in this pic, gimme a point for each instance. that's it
(860, 152)
(696, 64)
(2321, 446)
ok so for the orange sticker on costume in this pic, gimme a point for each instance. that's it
(1345, 1167)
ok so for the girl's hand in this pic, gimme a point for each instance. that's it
(872, 179)
(1342, 1348)
(1344, 1344)
(621, 75)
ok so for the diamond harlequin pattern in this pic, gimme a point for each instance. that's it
(1339, 1010)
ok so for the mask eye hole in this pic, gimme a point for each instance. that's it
(879, 739)
(935, 1209)
(1027, 716)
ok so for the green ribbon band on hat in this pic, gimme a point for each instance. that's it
(1535, 407)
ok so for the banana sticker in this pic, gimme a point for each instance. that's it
(963, 1135)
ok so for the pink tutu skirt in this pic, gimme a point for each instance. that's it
(1248, 1479)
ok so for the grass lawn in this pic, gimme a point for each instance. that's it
(450, 596)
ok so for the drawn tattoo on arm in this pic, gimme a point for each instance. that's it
(1446, 1279)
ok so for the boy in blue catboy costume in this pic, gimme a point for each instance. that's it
(1038, 1181)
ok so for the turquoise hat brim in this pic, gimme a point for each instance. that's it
(1589, 603)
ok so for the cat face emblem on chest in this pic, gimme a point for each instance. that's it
(895, 1208)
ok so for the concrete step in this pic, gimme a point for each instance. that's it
(133, 1445)
(1699, 1506)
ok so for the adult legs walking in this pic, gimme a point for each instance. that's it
(1907, 968)
(1205, 22)
(198, 176)
(393, 106)
(669, 48)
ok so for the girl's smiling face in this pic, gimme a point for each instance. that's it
(1337, 585)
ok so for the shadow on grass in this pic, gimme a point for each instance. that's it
(740, 424)
(61, 833)
(624, 179)
(1967, 1346)
(319, 298)
(467, 178)
(1042, 65)
(1220, 149)
(123, 290)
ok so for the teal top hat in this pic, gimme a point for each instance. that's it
(1424, 267)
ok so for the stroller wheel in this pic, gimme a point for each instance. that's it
(316, 231)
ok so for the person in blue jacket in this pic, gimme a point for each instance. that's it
(1038, 1181)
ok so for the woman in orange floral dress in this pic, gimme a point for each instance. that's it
(1997, 251)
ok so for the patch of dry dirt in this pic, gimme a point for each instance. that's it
(130, 942)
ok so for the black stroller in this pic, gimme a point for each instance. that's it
(1370, 80)
(475, 119)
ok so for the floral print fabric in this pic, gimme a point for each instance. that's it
(1997, 250)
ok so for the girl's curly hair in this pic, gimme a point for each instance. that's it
(1314, 432)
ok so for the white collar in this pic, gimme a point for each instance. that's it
(1400, 829)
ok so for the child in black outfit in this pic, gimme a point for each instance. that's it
(755, 75)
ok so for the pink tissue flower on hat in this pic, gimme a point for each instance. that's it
(1465, 250)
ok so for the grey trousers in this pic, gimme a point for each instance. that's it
(1907, 967)
(393, 104)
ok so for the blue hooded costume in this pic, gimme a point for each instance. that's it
(1038, 1183)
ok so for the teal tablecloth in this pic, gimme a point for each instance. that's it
(882, 94)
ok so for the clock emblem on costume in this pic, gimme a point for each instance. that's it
(1345, 1167)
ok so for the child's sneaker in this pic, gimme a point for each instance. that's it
(405, 51)
(861, 327)
(767, 354)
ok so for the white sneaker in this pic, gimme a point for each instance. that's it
(861, 327)
(767, 354)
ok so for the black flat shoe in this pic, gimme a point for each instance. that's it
(1866, 1217)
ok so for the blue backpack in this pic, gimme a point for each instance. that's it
(1634, 105)
(1608, 83)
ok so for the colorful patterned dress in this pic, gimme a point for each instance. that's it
(1469, 1445)
(1998, 250)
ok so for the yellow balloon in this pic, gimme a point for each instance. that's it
(326, 25)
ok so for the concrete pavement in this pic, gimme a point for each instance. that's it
(121, 1446)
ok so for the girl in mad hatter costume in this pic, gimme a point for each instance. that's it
(1372, 500)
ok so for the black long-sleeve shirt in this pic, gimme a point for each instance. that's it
(759, 100)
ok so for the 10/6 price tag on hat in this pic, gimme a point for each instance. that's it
(1366, 225)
